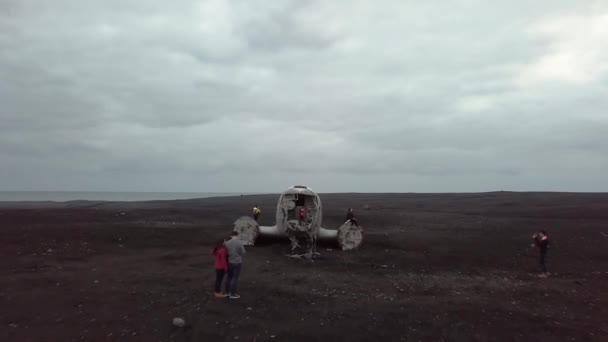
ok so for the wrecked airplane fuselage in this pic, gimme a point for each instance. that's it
(302, 230)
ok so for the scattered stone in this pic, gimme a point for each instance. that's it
(96, 281)
(249, 308)
(179, 322)
(13, 325)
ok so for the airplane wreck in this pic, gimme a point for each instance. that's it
(303, 229)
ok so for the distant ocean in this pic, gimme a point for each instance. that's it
(63, 196)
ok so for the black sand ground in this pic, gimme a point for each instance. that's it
(442, 267)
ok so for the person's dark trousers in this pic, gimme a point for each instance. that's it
(255, 217)
(232, 282)
(543, 267)
(219, 276)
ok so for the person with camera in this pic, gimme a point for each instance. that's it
(541, 241)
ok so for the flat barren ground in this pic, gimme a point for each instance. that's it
(441, 267)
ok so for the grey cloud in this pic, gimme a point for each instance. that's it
(281, 29)
(241, 96)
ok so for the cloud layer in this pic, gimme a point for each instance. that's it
(342, 95)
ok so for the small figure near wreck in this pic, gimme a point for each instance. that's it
(298, 218)
(302, 214)
(256, 212)
(350, 217)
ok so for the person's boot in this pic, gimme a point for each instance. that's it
(219, 295)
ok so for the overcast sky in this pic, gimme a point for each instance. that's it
(399, 96)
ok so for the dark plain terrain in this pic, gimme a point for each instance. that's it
(440, 267)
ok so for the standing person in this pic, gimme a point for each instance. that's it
(236, 250)
(350, 216)
(302, 214)
(221, 266)
(542, 242)
(256, 212)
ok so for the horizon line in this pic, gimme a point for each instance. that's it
(278, 192)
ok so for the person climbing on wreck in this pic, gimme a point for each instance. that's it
(350, 216)
(256, 212)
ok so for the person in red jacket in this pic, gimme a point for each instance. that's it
(302, 214)
(221, 267)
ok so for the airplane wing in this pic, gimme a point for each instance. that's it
(249, 230)
(270, 231)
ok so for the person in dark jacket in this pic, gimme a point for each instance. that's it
(350, 216)
(221, 266)
(541, 240)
